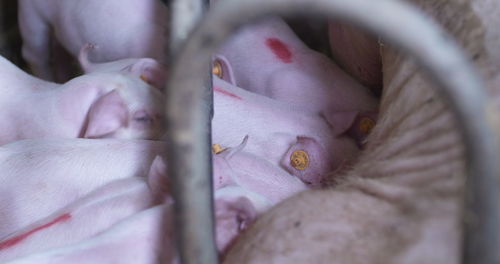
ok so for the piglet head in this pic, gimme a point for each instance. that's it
(233, 213)
(125, 107)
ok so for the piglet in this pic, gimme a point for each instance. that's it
(268, 58)
(40, 177)
(121, 28)
(82, 219)
(246, 185)
(136, 239)
(298, 140)
(96, 105)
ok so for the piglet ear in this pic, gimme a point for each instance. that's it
(106, 115)
(157, 177)
(233, 215)
(149, 71)
(222, 69)
(308, 161)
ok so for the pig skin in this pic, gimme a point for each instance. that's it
(40, 177)
(94, 105)
(282, 67)
(137, 239)
(402, 203)
(82, 219)
(122, 29)
(274, 127)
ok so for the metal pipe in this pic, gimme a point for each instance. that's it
(190, 159)
(402, 26)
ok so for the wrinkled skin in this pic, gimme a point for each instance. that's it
(40, 177)
(268, 58)
(358, 53)
(402, 203)
(276, 129)
(98, 105)
(122, 29)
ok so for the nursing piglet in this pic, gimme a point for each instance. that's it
(40, 177)
(269, 59)
(286, 135)
(121, 28)
(97, 105)
(246, 185)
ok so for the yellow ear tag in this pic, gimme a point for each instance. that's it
(299, 160)
(216, 148)
(144, 78)
(366, 125)
(217, 68)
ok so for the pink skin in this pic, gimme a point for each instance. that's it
(56, 172)
(357, 53)
(147, 69)
(246, 186)
(275, 126)
(136, 239)
(121, 28)
(80, 220)
(269, 59)
(251, 186)
(99, 105)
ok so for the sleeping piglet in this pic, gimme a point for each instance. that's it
(121, 28)
(299, 141)
(268, 58)
(40, 177)
(96, 105)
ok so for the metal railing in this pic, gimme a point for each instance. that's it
(396, 22)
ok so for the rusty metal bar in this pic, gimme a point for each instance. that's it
(190, 160)
(404, 27)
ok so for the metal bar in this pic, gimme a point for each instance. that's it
(190, 160)
(400, 24)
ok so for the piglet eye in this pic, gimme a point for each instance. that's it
(143, 117)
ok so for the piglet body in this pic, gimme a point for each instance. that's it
(277, 130)
(122, 29)
(80, 220)
(92, 106)
(269, 59)
(57, 172)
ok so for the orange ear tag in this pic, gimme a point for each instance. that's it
(216, 148)
(366, 125)
(299, 160)
(217, 68)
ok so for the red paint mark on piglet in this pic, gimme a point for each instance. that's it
(222, 91)
(279, 49)
(15, 240)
